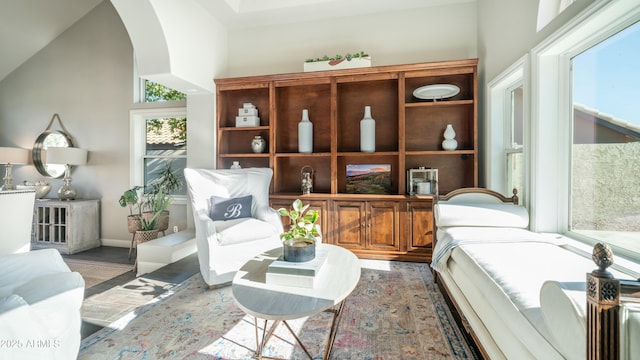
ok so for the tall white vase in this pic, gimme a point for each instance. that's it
(367, 132)
(305, 133)
(449, 143)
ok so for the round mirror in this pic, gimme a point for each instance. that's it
(49, 138)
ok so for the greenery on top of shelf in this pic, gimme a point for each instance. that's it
(348, 57)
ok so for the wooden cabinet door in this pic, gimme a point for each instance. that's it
(349, 224)
(383, 225)
(420, 216)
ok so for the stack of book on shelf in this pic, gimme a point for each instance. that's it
(303, 274)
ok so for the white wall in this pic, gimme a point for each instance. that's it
(507, 32)
(86, 76)
(417, 35)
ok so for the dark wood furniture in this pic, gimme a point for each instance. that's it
(409, 133)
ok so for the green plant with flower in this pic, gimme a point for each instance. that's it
(302, 222)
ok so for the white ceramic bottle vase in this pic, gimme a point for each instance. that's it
(305, 133)
(449, 143)
(367, 132)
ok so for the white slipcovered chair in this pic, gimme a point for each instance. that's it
(225, 245)
(40, 298)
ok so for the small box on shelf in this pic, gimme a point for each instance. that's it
(247, 121)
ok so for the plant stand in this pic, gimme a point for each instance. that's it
(142, 236)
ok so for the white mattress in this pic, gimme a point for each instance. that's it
(500, 271)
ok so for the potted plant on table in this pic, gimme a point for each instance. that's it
(299, 242)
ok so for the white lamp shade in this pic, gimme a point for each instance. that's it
(66, 156)
(9, 155)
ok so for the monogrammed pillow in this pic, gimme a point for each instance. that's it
(229, 209)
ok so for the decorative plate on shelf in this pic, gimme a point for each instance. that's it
(436, 92)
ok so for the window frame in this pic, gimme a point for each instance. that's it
(552, 112)
(499, 127)
(137, 123)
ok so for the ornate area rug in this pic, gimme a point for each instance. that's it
(395, 312)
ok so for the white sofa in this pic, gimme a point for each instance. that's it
(225, 245)
(521, 294)
(40, 298)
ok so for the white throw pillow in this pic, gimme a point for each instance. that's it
(487, 215)
(563, 307)
(242, 230)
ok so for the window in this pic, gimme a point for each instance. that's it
(571, 141)
(165, 149)
(159, 141)
(605, 156)
(154, 92)
(515, 139)
(506, 127)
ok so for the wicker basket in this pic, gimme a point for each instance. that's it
(134, 223)
(145, 235)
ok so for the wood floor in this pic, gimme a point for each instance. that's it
(115, 297)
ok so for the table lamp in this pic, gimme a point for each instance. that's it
(10, 156)
(66, 156)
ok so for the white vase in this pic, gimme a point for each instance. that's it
(235, 165)
(449, 143)
(305, 133)
(367, 132)
(258, 144)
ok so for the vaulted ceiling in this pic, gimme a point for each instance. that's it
(26, 26)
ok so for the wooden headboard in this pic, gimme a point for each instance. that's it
(481, 191)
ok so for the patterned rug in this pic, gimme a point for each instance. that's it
(395, 312)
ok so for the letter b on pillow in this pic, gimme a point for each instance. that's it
(229, 209)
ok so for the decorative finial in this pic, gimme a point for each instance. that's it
(603, 257)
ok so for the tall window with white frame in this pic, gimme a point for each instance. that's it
(160, 135)
(515, 139)
(605, 153)
(165, 150)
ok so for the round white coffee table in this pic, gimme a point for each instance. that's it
(338, 278)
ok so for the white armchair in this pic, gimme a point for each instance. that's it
(40, 298)
(225, 245)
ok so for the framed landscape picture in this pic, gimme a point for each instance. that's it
(369, 179)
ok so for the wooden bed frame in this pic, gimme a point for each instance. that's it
(604, 294)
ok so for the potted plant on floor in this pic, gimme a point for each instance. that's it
(131, 198)
(299, 242)
(149, 222)
(159, 198)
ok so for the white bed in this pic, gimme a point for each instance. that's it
(520, 294)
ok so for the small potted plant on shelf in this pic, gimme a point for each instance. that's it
(299, 242)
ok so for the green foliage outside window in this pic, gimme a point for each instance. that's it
(154, 92)
(177, 126)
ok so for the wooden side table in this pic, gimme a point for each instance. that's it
(70, 226)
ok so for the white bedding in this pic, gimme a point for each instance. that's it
(501, 271)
